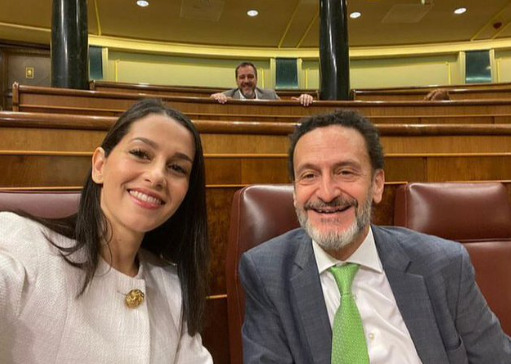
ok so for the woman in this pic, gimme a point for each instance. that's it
(123, 280)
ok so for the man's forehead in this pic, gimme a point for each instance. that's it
(246, 69)
(333, 131)
(323, 139)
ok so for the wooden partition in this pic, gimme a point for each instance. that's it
(56, 100)
(190, 91)
(376, 119)
(471, 86)
(486, 91)
(37, 148)
(61, 132)
(53, 151)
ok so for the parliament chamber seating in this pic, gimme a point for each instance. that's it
(478, 215)
(191, 91)
(29, 98)
(41, 204)
(475, 214)
(416, 95)
(259, 213)
(474, 91)
(48, 151)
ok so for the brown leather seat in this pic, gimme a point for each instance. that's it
(42, 204)
(259, 213)
(478, 215)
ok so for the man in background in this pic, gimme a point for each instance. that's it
(246, 79)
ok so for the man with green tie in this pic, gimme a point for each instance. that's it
(340, 290)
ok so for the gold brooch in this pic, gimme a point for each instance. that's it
(134, 298)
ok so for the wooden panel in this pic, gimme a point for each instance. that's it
(219, 200)
(264, 118)
(56, 121)
(31, 98)
(223, 171)
(448, 167)
(246, 170)
(43, 170)
(405, 169)
(456, 92)
(383, 213)
(501, 119)
(70, 169)
(457, 119)
(447, 144)
(44, 139)
(177, 90)
(215, 336)
(14, 61)
(224, 137)
(265, 170)
(469, 86)
(469, 168)
(244, 144)
(430, 108)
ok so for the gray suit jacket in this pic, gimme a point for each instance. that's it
(262, 94)
(432, 279)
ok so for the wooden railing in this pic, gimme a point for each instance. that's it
(458, 92)
(44, 131)
(471, 86)
(190, 91)
(55, 100)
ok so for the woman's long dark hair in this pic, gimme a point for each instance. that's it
(182, 239)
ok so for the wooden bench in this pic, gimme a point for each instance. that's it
(55, 100)
(456, 92)
(190, 91)
(82, 133)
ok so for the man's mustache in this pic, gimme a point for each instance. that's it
(338, 202)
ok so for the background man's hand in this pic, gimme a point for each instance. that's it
(304, 99)
(437, 94)
(220, 97)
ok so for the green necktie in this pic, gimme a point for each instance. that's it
(348, 339)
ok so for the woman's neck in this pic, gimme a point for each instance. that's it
(121, 254)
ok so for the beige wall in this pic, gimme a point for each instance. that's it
(396, 72)
(502, 66)
(446, 68)
(179, 71)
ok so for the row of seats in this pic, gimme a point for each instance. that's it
(477, 215)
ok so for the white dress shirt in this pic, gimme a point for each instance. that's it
(388, 339)
(42, 320)
(242, 97)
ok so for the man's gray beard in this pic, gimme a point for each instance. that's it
(334, 240)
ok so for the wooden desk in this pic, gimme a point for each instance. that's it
(54, 100)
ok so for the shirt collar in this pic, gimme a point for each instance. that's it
(242, 97)
(366, 255)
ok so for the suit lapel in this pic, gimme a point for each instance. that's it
(310, 303)
(412, 299)
(259, 93)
